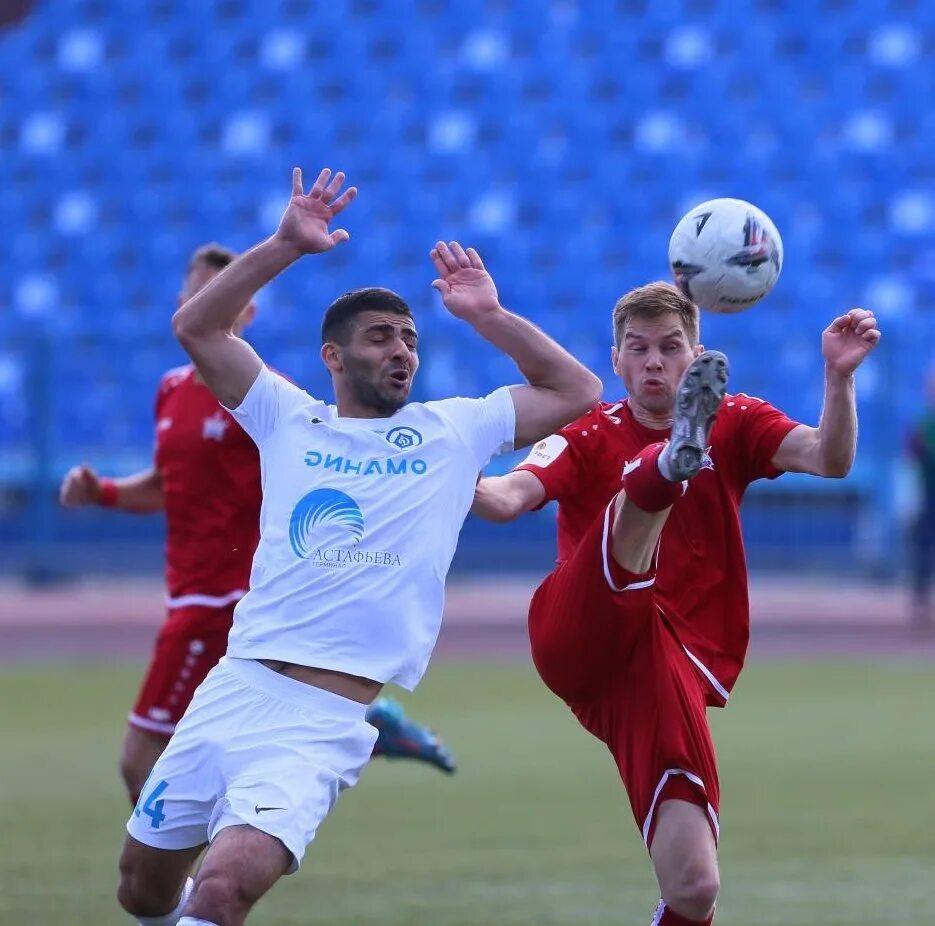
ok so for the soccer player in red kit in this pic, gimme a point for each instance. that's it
(206, 477)
(644, 622)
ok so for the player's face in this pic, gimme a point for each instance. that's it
(652, 357)
(380, 360)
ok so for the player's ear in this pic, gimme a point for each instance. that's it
(699, 350)
(614, 355)
(331, 357)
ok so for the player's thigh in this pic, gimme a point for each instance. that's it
(150, 878)
(684, 852)
(583, 623)
(653, 720)
(295, 749)
(138, 755)
(240, 866)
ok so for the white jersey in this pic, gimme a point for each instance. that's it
(359, 523)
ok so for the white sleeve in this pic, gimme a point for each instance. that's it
(487, 426)
(267, 401)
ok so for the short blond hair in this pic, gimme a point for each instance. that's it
(653, 301)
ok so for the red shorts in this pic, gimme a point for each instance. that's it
(605, 648)
(190, 643)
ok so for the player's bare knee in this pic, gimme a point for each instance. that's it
(139, 893)
(132, 897)
(220, 898)
(694, 889)
(125, 896)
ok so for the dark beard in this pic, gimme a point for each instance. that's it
(369, 396)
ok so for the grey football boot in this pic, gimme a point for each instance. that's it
(697, 401)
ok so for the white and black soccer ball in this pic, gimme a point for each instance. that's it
(725, 255)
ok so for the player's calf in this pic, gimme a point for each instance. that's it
(145, 900)
(240, 866)
(220, 899)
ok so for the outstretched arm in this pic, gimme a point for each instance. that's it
(560, 388)
(829, 449)
(204, 325)
(140, 493)
(505, 498)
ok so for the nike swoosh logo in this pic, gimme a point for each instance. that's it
(258, 810)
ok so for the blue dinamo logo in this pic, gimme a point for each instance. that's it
(404, 437)
(323, 506)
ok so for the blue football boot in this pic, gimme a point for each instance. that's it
(402, 738)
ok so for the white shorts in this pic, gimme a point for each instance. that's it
(255, 748)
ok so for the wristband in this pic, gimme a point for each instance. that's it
(108, 496)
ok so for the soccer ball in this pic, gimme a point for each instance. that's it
(725, 255)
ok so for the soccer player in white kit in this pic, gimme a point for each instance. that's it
(362, 505)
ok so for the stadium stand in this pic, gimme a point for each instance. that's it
(564, 144)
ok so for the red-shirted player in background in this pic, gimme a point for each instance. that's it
(645, 621)
(206, 477)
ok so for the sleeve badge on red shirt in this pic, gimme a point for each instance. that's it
(546, 451)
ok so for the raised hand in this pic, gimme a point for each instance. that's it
(848, 339)
(467, 289)
(81, 486)
(304, 224)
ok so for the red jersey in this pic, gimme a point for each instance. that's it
(210, 473)
(701, 577)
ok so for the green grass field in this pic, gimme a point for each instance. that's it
(827, 808)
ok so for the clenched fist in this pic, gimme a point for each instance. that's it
(81, 486)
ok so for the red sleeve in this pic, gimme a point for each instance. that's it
(760, 429)
(558, 462)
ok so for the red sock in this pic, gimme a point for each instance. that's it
(665, 916)
(645, 486)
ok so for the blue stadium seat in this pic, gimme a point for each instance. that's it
(563, 144)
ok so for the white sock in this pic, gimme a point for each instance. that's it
(191, 921)
(171, 919)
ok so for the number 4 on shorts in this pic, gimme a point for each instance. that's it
(152, 806)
